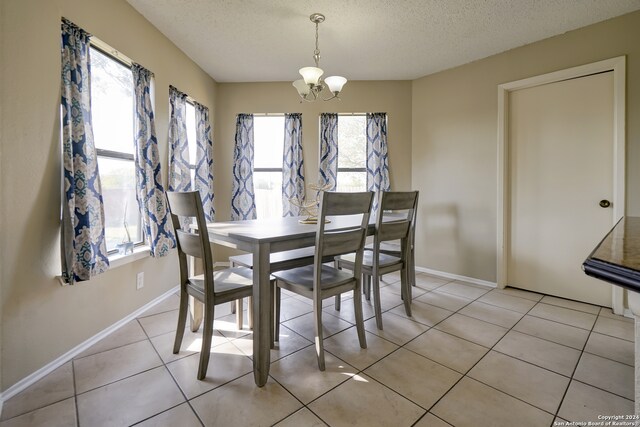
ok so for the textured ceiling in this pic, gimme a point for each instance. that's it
(269, 40)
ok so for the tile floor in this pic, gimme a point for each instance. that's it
(470, 356)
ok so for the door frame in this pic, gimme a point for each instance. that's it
(618, 66)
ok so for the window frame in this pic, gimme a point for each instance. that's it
(123, 60)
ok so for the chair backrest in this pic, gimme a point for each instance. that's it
(330, 243)
(396, 218)
(188, 205)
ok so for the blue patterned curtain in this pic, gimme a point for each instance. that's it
(329, 150)
(179, 172)
(83, 248)
(204, 161)
(150, 194)
(292, 165)
(377, 159)
(243, 201)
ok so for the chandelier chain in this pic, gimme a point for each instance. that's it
(316, 53)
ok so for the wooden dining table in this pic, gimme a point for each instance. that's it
(262, 237)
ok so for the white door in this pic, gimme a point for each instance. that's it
(560, 168)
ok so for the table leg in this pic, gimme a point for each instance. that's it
(261, 314)
(634, 305)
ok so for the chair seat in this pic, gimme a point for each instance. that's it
(228, 283)
(279, 260)
(367, 260)
(302, 277)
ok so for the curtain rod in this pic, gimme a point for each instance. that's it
(96, 42)
(282, 114)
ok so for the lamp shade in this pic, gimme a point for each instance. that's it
(311, 75)
(301, 87)
(335, 83)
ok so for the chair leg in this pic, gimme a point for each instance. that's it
(317, 311)
(250, 312)
(182, 321)
(272, 317)
(205, 351)
(338, 298)
(276, 317)
(376, 299)
(406, 290)
(239, 309)
(357, 309)
(412, 268)
(195, 313)
(366, 288)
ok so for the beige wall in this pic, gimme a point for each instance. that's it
(40, 319)
(392, 97)
(455, 138)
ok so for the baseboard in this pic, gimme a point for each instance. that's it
(456, 277)
(50, 367)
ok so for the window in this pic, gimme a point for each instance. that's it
(112, 105)
(268, 140)
(191, 140)
(352, 153)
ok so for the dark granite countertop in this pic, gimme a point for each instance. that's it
(616, 259)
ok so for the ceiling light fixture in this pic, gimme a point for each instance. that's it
(311, 84)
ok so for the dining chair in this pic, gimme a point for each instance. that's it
(212, 287)
(399, 227)
(394, 248)
(319, 280)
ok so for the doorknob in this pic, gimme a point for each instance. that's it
(605, 203)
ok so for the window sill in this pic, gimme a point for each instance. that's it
(117, 260)
(139, 252)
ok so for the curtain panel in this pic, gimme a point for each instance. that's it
(179, 173)
(83, 246)
(329, 150)
(292, 165)
(204, 161)
(243, 203)
(377, 159)
(150, 193)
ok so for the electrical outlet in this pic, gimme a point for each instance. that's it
(140, 281)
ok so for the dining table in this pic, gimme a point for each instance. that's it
(262, 237)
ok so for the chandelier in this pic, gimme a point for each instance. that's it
(311, 83)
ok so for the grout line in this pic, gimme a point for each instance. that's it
(605, 357)
(575, 368)
(170, 375)
(465, 375)
(75, 394)
(602, 389)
